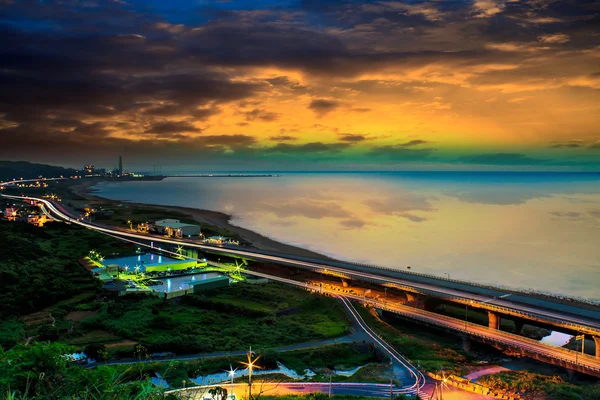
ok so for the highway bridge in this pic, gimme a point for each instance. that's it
(570, 317)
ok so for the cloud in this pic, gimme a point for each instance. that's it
(282, 138)
(323, 106)
(568, 214)
(352, 223)
(170, 127)
(412, 143)
(571, 144)
(261, 114)
(349, 137)
(313, 147)
(500, 159)
(554, 38)
(400, 152)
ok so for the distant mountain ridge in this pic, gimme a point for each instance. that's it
(16, 169)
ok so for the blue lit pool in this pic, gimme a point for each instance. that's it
(142, 261)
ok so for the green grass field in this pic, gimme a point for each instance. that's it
(264, 316)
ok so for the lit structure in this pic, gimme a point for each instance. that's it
(174, 228)
(120, 165)
(89, 169)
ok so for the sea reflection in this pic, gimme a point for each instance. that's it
(520, 230)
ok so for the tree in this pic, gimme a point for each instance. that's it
(218, 393)
(48, 332)
(96, 351)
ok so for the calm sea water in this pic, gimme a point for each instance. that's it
(523, 230)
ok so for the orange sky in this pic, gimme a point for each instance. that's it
(386, 84)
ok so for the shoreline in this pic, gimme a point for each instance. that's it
(216, 218)
(82, 189)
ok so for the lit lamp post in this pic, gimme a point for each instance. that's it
(250, 365)
(130, 224)
(231, 373)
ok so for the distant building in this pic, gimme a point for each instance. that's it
(173, 227)
(120, 165)
(89, 169)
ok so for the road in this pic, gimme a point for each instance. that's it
(505, 338)
(581, 319)
(569, 316)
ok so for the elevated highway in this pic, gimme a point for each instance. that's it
(568, 317)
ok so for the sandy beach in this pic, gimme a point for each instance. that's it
(83, 190)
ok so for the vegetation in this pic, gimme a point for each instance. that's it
(10, 170)
(38, 266)
(40, 371)
(340, 356)
(432, 352)
(265, 316)
(550, 387)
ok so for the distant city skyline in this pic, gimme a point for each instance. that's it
(302, 85)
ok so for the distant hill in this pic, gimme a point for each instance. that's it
(27, 170)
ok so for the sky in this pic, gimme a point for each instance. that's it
(302, 84)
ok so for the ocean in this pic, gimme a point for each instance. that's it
(538, 231)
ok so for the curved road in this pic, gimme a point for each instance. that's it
(588, 325)
(506, 338)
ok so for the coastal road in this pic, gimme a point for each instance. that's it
(505, 338)
(571, 317)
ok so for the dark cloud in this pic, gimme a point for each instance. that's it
(261, 114)
(313, 147)
(400, 152)
(348, 137)
(568, 214)
(170, 127)
(571, 144)
(500, 159)
(412, 143)
(324, 106)
(352, 223)
(282, 138)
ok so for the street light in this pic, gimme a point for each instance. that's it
(231, 374)
(250, 365)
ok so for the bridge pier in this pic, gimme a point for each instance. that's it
(597, 343)
(493, 320)
(466, 343)
(519, 323)
(415, 300)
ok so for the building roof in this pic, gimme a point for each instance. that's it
(175, 225)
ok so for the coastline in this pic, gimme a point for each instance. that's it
(216, 218)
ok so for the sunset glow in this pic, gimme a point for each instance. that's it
(303, 84)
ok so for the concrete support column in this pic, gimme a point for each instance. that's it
(494, 320)
(519, 323)
(597, 343)
(466, 343)
(415, 300)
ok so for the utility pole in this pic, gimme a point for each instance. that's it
(330, 384)
(391, 383)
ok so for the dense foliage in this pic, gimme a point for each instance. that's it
(221, 320)
(38, 266)
(40, 371)
(552, 387)
(10, 170)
